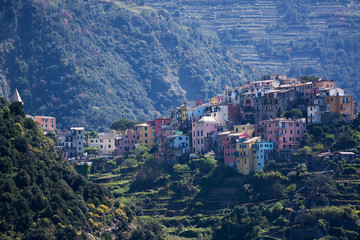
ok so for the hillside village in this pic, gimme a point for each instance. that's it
(243, 127)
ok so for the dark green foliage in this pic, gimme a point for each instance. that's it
(89, 63)
(123, 124)
(38, 189)
(308, 79)
(293, 113)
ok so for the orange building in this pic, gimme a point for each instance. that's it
(340, 104)
(217, 100)
(46, 123)
(146, 134)
(322, 83)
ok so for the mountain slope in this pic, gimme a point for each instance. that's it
(91, 62)
(319, 38)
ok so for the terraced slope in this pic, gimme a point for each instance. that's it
(295, 37)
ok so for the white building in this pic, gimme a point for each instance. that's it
(72, 142)
(105, 142)
(220, 113)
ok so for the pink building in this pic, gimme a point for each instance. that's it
(158, 124)
(126, 142)
(201, 134)
(284, 133)
(227, 146)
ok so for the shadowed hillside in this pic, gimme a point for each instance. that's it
(91, 62)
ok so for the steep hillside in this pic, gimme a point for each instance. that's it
(91, 62)
(282, 36)
(42, 197)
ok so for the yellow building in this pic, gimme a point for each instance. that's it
(146, 134)
(246, 157)
(183, 113)
(340, 104)
(217, 100)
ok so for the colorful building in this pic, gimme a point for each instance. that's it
(46, 123)
(194, 114)
(158, 124)
(177, 148)
(227, 145)
(219, 99)
(340, 104)
(126, 141)
(146, 134)
(284, 133)
(246, 157)
(105, 142)
(264, 153)
(201, 134)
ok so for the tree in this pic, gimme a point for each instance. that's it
(123, 124)
(305, 78)
(293, 113)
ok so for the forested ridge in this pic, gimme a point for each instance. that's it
(90, 62)
(43, 197)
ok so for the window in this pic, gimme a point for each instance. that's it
(145, 128)
(146, 135)
(109, 146)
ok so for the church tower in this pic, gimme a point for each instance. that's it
(16, 97)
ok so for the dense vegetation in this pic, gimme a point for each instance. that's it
(42, 197)
(89, 63)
